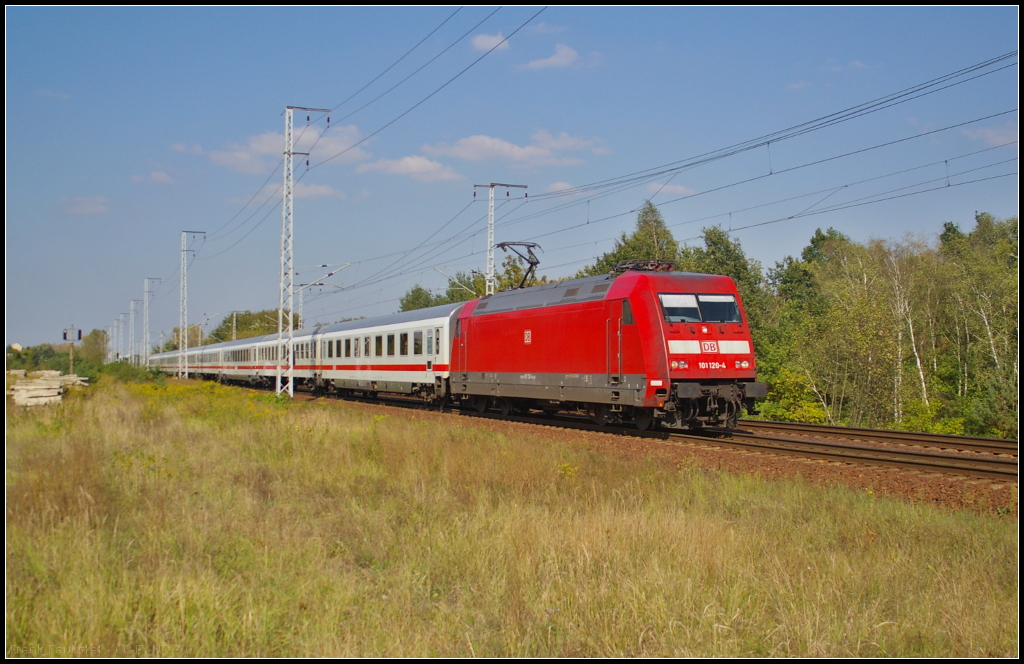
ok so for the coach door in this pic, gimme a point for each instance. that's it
(613, 342)
(460, 348)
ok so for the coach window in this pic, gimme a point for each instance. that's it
(348, 347)
(391, 344)
(330, 349)
(417, 342)
(366, 347)
(627, 313)
(403, 343)
(379, 342)
(430, 342)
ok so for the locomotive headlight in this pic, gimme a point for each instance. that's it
(681, 364)
(742, 364)
(704, 329)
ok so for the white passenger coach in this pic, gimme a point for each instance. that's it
(405, 353)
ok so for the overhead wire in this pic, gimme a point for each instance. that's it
(767, 175)
(350, 97)
(409, 110)
(424, 100)
(873, 106)
(373, 280)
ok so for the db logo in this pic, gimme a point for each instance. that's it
(709, 346)
(527, 336)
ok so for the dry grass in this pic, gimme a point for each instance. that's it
(196, 519)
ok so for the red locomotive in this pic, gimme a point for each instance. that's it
(645, 347)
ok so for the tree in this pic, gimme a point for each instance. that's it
(418, 297)
(468, 286)
(94, 347)
(983, 330)
(245, 324)
(651, 240)
(823, 245)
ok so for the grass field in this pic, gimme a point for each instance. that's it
(194, 519)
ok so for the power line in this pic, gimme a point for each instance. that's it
(350, 97)
(752, 179)
(442, 87)
(378, 76)
(875, 105)
(853, 205)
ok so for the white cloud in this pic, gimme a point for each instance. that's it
(303, 190)
(160, 176)
(480, 148)
(563, 57)
(416, 167)
(195, 148)
(543, 28)
(85, 205)
(994, 135)
(54, 94)
(562, 188)
(543, 150)
(564, 141)
(261, 152)
(675, 189)
(799, 85)
(485, 42)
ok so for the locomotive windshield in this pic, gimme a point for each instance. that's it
(680, 308)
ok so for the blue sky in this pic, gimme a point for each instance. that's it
(127, 126)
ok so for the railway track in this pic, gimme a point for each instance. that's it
(1001, 466)
(957, 455)
(907, 438)
(989, 466)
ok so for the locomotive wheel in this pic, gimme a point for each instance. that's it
(506, 406)
(643, 418)
(479, 403)
(602, 414)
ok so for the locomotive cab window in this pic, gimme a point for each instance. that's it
(627, 313)
(709, 308)
(719, 308)
(679, 308)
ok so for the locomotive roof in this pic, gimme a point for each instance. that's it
(587, 289)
